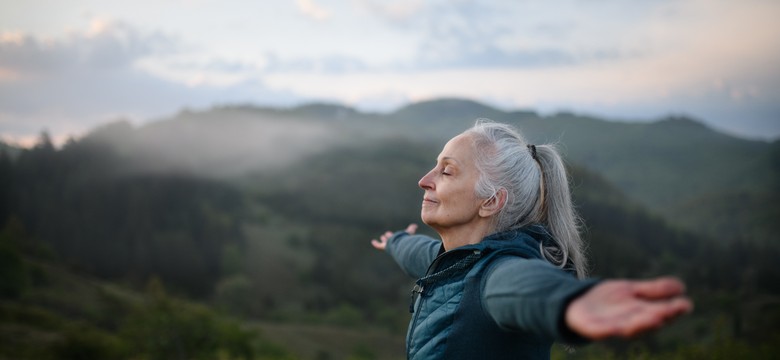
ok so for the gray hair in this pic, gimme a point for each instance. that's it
(537, 189)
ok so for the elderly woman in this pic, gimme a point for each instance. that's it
(508, 276)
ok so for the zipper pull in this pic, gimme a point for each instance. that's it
(417, 290)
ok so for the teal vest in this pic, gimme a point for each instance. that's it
(449, 320)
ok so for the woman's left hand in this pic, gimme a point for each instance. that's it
(381, 244)
(625, 308)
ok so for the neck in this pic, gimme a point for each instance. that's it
(468, 234)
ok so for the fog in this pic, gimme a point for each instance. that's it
(220, 143)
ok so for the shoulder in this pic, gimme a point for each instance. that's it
(512, 264)
(523, 242)
(515, 271)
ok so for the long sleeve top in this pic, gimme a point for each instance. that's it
(519, 292)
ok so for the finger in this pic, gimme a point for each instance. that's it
(653, 316)
(379, 245)
(386, 236)
(685, 305)
(411, 229)
(660, 288)
(677, 307)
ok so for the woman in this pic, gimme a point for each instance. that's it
(508, 276)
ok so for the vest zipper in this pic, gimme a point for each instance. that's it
(418, 290)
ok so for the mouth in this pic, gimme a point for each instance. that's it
(427, 201)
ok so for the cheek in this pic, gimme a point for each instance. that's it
(464, 201)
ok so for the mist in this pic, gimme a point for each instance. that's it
(220, 143)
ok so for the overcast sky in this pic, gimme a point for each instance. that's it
(66, 66)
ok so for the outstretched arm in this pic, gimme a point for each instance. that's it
(625, 308)
(533, 295)
(381, 244)
(413, 253)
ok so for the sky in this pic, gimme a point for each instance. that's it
(68, 66)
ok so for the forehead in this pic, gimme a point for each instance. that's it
(460, 148)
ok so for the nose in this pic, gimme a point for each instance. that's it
(426, 183)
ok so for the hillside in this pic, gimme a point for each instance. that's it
(672, 165)
(50, 311)
(285, 243)
(60, 313)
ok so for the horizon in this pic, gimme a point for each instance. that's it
(68, 67)
(59, 141)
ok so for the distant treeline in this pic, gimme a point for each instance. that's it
(118, 226)
(291, 243)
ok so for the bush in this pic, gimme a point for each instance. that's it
(14, 275)
(234, 295)
(83, 342)
(164, 328)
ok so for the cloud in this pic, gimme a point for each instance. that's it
(472, 34)
(106, 45)
(492, 57)
(70, 84)
(715, 59)
(80, 71)
(399, 12)
(312, 10)
(332, 64)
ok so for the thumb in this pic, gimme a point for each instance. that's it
(659, 288)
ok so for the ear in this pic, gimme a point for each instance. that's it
(493, 204)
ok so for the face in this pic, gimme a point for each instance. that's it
(450, 200)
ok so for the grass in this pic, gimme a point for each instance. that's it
(331, 342)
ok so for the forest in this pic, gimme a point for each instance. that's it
(242, 232)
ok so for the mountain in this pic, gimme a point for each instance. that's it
(738, 213)
(286, 240)
(672, 165)
(663, 162)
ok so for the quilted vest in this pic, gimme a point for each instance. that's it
(449, 320)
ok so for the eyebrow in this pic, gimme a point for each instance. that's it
(448, 158)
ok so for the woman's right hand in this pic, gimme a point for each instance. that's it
(626, 308)
(381, 244)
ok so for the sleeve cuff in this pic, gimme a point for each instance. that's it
(567, 335)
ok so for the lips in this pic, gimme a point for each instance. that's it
(429, 201)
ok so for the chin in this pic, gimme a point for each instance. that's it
(429, 220)
(425, 217)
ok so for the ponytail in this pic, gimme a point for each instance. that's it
(537, 187)
(559, 214)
